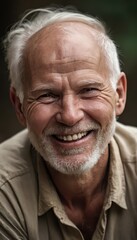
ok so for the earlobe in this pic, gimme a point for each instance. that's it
(17, 105)
(121, 91)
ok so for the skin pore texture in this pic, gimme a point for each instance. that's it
(70, 109)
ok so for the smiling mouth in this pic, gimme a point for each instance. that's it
(72, 137)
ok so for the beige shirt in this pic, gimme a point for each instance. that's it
(31, 209)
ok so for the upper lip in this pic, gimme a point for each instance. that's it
(66, 131)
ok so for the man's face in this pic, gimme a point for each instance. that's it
(69, 102)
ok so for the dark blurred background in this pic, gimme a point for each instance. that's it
(121, 20)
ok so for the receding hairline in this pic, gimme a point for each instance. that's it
(65, 27)
(62, 30)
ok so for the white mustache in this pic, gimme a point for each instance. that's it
(65, 130)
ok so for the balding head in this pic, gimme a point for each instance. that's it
(18, 38)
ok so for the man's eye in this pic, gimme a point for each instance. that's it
(47, 97)
(90, 92)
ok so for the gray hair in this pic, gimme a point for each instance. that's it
(19, 35)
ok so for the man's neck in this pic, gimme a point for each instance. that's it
(83, 195)
(79, 190)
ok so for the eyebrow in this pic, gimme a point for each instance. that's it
(51, 87)
(90, 83)
(42, 89)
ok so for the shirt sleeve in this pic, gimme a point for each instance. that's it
(12, 224)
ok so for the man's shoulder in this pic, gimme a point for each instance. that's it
(128, 133)
(17, 138)
(14, 145)
(14, 156)
(126, 138)
(18, 188)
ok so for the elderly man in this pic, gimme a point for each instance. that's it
(73, 173)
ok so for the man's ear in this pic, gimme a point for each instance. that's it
(18, 106)
(121, 92)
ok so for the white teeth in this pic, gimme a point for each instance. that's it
(73, 137)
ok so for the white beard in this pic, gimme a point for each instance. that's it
(74, 165)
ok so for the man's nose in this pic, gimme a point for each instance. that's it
(70, 111)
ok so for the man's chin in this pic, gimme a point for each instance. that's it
(72, 164)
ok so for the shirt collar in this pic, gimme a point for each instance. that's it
(116, 190)
(48, 197)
